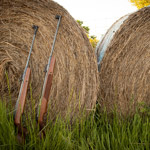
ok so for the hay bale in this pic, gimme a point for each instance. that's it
(106, 39)
(125, 68)
(75, 75)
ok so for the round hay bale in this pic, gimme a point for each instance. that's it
(75, 75)
(106, 39)
(125, 67)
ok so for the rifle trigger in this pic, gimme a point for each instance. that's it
(21, 78)
(45, 70)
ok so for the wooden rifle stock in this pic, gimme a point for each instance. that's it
(20, 108)
(46, 94)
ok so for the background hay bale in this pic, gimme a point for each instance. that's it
(106, 39)
(125, 68)
(75, 75)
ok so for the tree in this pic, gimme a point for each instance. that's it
(86, 28)
(140, 3)
(93, 39)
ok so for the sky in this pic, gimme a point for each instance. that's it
(98, 15)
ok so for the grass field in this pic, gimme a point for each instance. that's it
(97, 132)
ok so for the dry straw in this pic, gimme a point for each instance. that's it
(75, 75)
(125, 68)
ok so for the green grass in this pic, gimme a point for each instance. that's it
(97, 132)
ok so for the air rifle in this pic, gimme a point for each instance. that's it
(47, 82)
(19, 108)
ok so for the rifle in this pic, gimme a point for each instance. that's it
(47, 82)
(19, 108)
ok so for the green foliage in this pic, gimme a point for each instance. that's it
(7, 130)
(140, 3)
(97, 132)
(80, 22)
(87, 29)
(93, 39)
